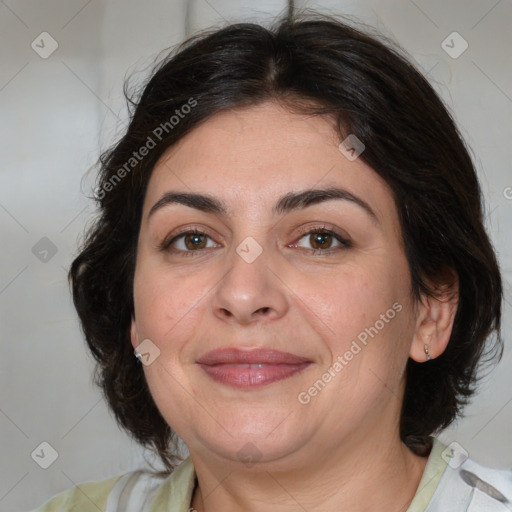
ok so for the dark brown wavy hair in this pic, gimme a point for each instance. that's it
(313, 64)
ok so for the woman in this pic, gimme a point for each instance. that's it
(290, 272)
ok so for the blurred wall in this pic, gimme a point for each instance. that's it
(62, 66)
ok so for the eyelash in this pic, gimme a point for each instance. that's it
(345, 244)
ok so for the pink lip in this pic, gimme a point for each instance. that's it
(238, 368)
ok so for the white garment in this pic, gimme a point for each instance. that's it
(471, 487)
(464, 486)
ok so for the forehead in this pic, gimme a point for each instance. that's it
(249, 157)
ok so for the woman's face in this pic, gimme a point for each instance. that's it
(257, 276)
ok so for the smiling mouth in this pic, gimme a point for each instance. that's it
(251, 375)
(251, 369)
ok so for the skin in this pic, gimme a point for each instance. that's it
(326, 454)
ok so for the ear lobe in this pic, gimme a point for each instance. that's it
(435, 322)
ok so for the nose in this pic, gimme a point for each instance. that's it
(250, 291)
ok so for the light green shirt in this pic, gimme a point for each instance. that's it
(174, 493)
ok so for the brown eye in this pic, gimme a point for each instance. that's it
(323, 240)
(195, 241)
(189, 242)
(320, 240)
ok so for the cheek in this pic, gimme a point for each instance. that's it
(166, 312)
(363, 313)
(163, 301)
(349, 300)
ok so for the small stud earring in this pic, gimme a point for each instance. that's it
(427, 354)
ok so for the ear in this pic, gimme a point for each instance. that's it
(434, 321)
(133, 334)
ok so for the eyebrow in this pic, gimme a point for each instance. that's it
(287, 203)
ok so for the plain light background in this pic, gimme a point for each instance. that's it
(58, 112)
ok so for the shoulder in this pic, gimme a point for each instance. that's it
(137, 487)
(86, 496)
(466, 485)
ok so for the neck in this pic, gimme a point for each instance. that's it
(360, 475)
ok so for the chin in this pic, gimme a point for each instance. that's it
(249, 448)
